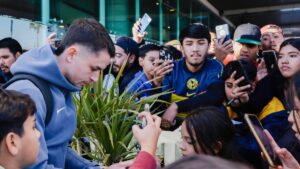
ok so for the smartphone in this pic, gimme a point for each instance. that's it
(258, 132)
(270, 60)
(223, 31)
(144, 121)
(145, 21)
(237, 66)
(165, 54)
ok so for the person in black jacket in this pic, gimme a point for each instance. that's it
(127, 52)
(10, 50)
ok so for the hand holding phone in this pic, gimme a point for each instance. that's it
(144, 121)
(240, 72)
(145, 21)
(258, 132)
(270, 60)
(147, 137)
(222, 31)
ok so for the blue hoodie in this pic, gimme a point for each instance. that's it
(54, 151)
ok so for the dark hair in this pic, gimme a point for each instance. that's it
(295, 42)
(90, 33)
(130, 47)
(210, 125)
(12, 44)
(296, 80)
(294, 92)
(147, 48)
(195, 30)
(205, 162)
(290, 84)
(248, 66)
(15, 108)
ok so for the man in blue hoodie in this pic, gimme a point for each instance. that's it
(85, 50)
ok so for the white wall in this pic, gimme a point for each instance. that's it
(29, 34)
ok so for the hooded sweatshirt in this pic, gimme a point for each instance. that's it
(54, 140)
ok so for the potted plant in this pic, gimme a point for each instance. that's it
(105, 117)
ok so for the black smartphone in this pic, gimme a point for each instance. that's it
(57, 43)
(258, 132)
(145, 21)
(270, 60)
(223, 31)
(165, 54)
(237, 66)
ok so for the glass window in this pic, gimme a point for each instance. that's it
(68, 10)
(119, 16)
(29, 9)
(152, 9)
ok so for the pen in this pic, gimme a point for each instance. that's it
(230, 101)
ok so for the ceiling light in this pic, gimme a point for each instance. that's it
(172, 9)
(289, 9)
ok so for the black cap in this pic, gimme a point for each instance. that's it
(128, 45)
(247, 33)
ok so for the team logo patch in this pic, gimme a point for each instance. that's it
(192, 84)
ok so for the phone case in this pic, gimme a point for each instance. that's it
(145, 22)
(270, 60)
(238, 67)
(260, 139)
(165, 55)
(223, 31)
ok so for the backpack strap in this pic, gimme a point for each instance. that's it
(42, 85)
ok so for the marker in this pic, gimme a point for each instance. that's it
(230, 101)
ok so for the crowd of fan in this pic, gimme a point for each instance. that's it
(196, 71)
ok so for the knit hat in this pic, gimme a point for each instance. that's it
(128, 45)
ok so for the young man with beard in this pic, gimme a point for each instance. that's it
(10, 50)
(85, 50)
(127, 52)
(193, 75)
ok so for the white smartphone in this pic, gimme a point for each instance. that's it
(145, 21)
(223, 31)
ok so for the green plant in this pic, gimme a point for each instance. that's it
(106, 117)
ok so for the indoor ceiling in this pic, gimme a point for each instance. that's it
(285, 13)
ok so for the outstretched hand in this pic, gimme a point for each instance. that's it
(286, 158)
(137, 36)
(147, 136)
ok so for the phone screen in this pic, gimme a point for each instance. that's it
(270, 60)
(223, 31)
(145, 22)
(238, 67)
(262, 140)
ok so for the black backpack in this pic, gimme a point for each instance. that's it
(43, 87)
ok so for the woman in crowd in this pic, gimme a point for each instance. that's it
(287, 159)
(275, 84)
(208, 131)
